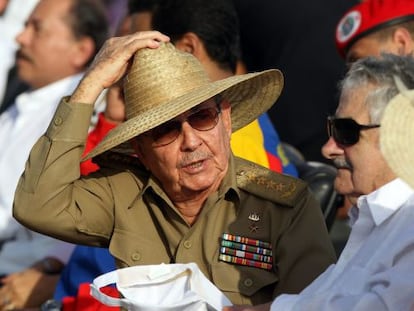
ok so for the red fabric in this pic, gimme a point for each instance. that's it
(85, 302)
(370, 15)
(103, 126)
(275, 164)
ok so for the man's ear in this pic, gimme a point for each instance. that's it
(83, 51)
(135, 145)
(191, 43)
(403, 40)
(138, 151)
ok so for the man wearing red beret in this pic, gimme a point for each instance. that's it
(376, 26)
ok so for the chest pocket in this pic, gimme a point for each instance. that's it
(254, 284)
(132, 249)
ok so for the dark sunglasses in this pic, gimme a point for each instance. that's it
(203, 119)
(345, 131)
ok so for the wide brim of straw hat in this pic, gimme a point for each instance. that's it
(397, 136)
(250, 95)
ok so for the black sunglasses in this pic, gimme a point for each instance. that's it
(345, 131)
(203, 119)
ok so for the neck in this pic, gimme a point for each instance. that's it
(214, 71)
(190, 205)
(191, 209)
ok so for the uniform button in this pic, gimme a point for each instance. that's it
(136, 256)
(188, 244)
(58, 121)
(248, 282)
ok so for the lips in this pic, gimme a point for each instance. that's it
(193, 164)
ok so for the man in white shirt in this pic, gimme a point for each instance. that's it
(374, 271)
(11, 23)
(59, 40)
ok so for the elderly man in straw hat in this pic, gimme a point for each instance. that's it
(375, 270)
(169, 189)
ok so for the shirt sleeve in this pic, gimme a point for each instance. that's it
(50, 197)
(29, 247)
(357, 289)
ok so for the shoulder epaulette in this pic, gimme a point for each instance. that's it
(264, 183)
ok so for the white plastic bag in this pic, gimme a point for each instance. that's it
(172, 287)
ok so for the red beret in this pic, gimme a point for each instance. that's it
(368, 17)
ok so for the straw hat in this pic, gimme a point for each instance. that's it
(165, 82)
(397, 135)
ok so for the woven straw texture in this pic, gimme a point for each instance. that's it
(165, 82)
(397, 136)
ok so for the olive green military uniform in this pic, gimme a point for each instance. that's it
(124, 207)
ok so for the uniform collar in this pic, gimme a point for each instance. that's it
(229, 184)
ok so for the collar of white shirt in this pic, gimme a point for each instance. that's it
(46, 95)
(383, 202)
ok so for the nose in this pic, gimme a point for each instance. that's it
(331, 150)
(23, 36)
(190, 137)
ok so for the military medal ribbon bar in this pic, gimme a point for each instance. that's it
(246, 251)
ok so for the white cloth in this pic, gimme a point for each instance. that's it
(20, 127)
(376, 268)
(172, 287)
